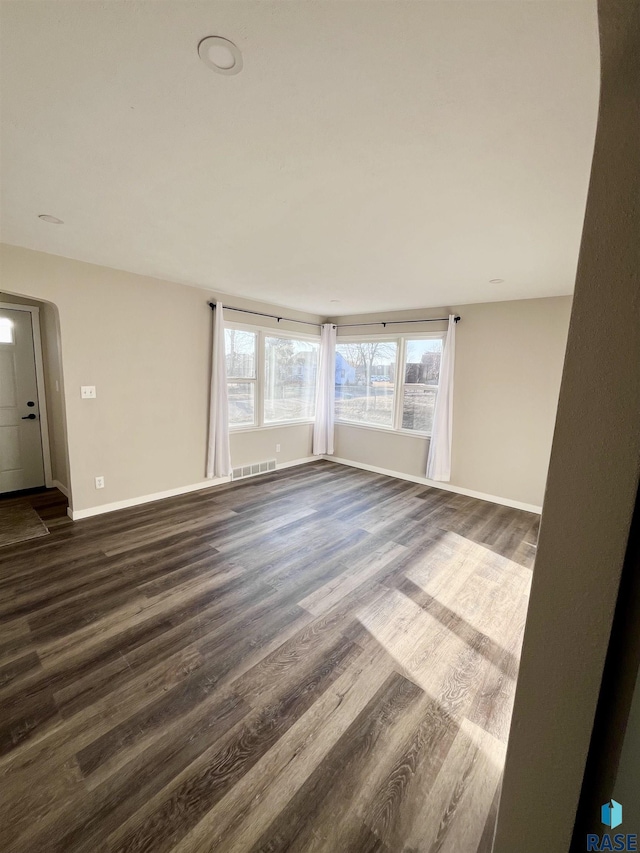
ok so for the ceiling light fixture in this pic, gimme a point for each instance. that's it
(496, 280)
(220, 54)
(52, 219)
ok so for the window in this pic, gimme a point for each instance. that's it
(289, 379)
(388, 383)
(368, 374)
(421, 377)
(271, 377)
(240, 351)
(6, 330)
(365, 382)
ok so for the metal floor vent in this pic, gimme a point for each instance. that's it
(253, 470)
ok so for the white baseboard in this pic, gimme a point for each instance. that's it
(78, 514)
(447, 487)
(295, 462)
(56, 484)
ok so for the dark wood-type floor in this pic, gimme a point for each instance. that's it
(321, 659)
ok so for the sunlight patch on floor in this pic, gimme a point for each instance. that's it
(454, 621)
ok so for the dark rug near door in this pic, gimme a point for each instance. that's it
(19, 521)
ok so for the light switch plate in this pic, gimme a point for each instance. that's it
(88, 392)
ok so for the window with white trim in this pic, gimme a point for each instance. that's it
(271, 377)
(421, 369)
(365, 382)
(290, 367)
(242, 376)
(390, 383)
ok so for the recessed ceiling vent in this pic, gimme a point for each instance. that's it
(253, 470)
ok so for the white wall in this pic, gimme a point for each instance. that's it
(295, 442)
(509, 358)
(144, 343)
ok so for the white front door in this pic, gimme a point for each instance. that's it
(21, 459)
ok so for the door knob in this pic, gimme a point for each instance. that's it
(31, 417)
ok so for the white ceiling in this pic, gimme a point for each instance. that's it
(386, 154)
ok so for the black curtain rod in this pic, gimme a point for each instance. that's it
(382, 323)
(400, 322)
(261, 314)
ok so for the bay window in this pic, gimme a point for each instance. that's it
(389, 383)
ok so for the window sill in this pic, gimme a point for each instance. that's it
(414, 432)
(410, 432)
(279, 425)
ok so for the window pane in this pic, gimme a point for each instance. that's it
(290, 379)
(6, 330)
(421, 374)
(365, 374)
(240, 349)
(242, 408)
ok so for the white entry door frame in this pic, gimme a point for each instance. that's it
(34, 311)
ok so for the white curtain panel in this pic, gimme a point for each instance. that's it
(325, 392)
(218, 451)
(439, 461)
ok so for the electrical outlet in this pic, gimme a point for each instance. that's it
(88, 392)
(277, 448)
(99, 482)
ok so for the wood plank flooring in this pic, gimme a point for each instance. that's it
(319, 659)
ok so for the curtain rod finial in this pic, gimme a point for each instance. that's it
(456, 319)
